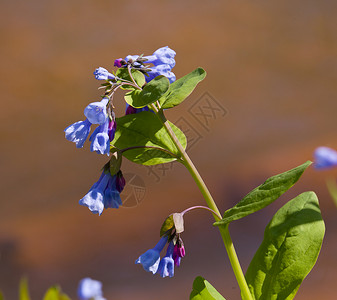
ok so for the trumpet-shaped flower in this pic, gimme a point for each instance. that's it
(78, 132)
(89, 289)
(103, 74)
(160, 70)
(166, 265)
(103, 194)
(162, 56)
(151, 258)
(96, 111)
(325, 158)
(100, 140)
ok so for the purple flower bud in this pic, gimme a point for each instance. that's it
(166, 265)
(178, 253)
(151, 258)
(118, 63)
(96, 111)
(325, 158)
(103, 74)
(120, 181)
(112, 129)
(89, 289)
(131, 110)
(78, 132)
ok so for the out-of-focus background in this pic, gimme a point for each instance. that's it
(269, 99)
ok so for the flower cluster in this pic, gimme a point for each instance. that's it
(151, 262)
(89, 289)
(95, 113)
(105, 193)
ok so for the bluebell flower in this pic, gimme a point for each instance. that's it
(103, 74)
(89, 289)
(100, 140)
(162, 56)
(151, 258)
(325, 158)
(161, 70)
(166, 265)
(78, 132)
(105, 193)
(96, 111)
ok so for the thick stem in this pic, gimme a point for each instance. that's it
(246, 295)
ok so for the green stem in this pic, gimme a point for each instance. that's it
(246, 295)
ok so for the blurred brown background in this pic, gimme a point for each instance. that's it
(272, 71)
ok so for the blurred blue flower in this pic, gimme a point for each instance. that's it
(150, 259)
(103, 74)
(89, 289)
(96, 111)
(325, 158)
(105, 193)
(100, 140)
(78, 132)
(166, 265)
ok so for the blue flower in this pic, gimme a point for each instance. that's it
(89, 289)
(161, 70)
(100, 140)
(166, 265)
(96, 111)
(162, 56)
(105, 193)
(150, 259)
(325, 158)
(78, 132)
(103, 74)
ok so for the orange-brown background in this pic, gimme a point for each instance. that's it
(271, 65)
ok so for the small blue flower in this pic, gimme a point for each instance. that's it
(78, 132)
(166, 265)
(150, 259)
(161, 70)
(325, 158)
(89, 289)
(105, 193)
(103, 74)
(100, 140)
(162, 56)
(96, 111)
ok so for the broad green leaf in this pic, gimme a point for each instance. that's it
(182, 88)
(145, 129)
(23, 290)
(137, 75)
(203, 290)
(54, 293)
(263, 195)
(151, 92)
(291, 244)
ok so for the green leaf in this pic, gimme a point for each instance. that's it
(264, 194)
(54, 293)
(137, 75)
(182, 88)
(142, 130)
(203, 290)
(23, 290)
(167, 225)
(151, 92)
(291, 244)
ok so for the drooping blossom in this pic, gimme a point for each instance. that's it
(89, 289)
(166, 265)
(325, 158)
(103, 74)
(78, 132)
